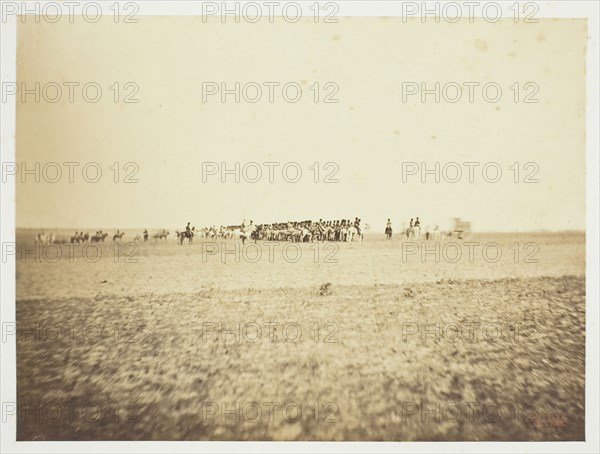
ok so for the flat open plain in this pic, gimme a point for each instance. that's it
(335, 341)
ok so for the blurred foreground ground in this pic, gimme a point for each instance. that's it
(183, 344)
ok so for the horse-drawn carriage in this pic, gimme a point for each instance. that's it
(460, 227)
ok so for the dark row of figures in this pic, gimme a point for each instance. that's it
(298, 231)
(344, 230)
(98, 237)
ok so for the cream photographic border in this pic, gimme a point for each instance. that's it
(564, 9)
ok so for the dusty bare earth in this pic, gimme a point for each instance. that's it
(172, 342)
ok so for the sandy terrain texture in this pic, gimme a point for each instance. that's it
(384, 344)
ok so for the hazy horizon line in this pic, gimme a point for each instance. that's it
(365, 231)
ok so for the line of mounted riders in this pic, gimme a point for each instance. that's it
(98, 237)
(298, 231)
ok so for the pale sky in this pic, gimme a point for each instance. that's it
(369, 133)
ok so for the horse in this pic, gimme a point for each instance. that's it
(327, 233)
(43, 238)
(257, 233)
(306, 235)
(354, 232)
(295, 234)
(243, 232)
(344, 233)
(99, 237)
(118, 236)
(238, 234)
(162, 235)
(189, 234)
(414, 232)
(438, 234)
(226, 233)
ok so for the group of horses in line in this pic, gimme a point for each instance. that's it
(78, 238)
(307, 231)
(298, 231)
(98, 237)
(45, 238)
